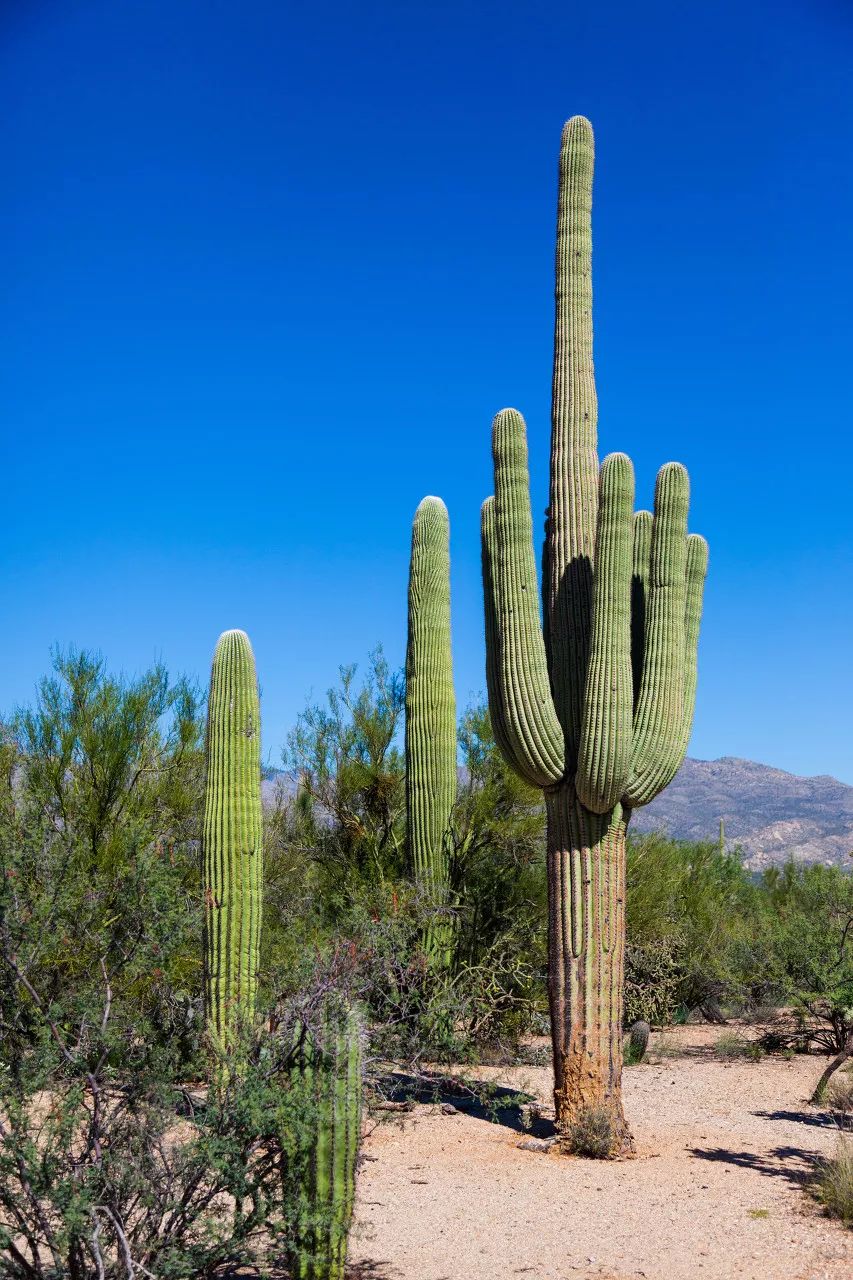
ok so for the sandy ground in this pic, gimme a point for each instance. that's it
(715, 1190)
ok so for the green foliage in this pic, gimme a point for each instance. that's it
(99, 822)
(348, 816)
(811, 926)
(108, 1171)
(697, 930)
(499, 885)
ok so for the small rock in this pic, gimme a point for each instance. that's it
(448, 1109)
(535, 1144)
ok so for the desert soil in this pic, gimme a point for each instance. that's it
(716, 1188)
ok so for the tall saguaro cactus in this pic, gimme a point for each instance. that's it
(430, 708)
(232, 838)
(595, 707)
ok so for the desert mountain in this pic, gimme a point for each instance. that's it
(771, 814)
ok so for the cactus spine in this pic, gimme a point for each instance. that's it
(430, 711)
(595, 706)
(321, 1179)
(232, 838)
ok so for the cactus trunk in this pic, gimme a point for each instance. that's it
(320, 1187)
(586, 957)
(232, 840)
(430, 717)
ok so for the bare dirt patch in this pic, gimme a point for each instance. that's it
(723, 1152)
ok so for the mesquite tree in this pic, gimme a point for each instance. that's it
(595, 707)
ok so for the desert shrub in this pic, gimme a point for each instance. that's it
(107, 1173)
(653, 980)
(731, 1047)
(591, 1134)
(499, 889)
(100, 797)
(695, 930)
(833, 1185)
(337, 870)
(839, 1094)
(811, 930)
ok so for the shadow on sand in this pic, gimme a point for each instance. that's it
(478, 1098)
(795, 1165)
(815, 1119)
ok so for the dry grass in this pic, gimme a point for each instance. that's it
(591, 1134)
(834, 1183)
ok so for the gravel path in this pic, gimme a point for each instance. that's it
(715, 1190)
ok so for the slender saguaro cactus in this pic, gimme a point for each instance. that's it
(232, 838)
(430, 709)
(595, 706)
(321, 1176)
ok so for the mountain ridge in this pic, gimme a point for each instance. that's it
(770, 815)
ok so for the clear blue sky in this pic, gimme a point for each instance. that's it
(270, 268)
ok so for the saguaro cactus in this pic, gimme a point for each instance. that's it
(324, 1149)
(232, 838)
(596, 707)
(430, 709)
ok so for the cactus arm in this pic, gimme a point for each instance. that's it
(526, 709)
(697, 568)
(604, 757)
(493, 653)
(430, 699)
(659, 716)
(567, 594)
(232, 838)
(640, 594)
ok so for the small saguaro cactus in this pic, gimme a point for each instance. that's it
(596, 706)
(638, 1041)
(320, 1176)
(232, 839)
(430, 712)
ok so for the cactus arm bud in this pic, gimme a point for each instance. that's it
(604, 757)
(526, 706)
(659, 716)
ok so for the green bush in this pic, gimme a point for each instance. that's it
(100, 796)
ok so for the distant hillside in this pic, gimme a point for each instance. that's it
(771, 814)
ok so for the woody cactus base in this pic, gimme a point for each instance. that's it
(595, 707)
(232, 839)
